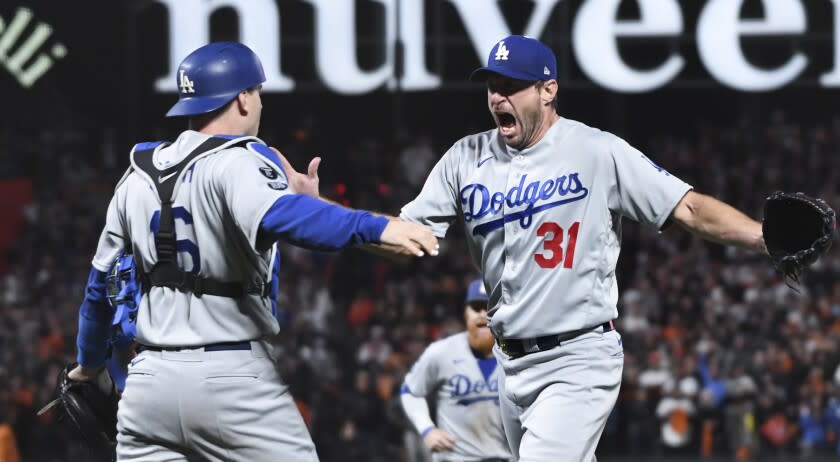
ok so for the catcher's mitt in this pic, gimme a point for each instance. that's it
(91, 412)
(797, 230)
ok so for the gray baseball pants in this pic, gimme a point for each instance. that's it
(555, 403)
(193, 405)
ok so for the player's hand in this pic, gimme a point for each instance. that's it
(407, 238)
(438, 440)
(302, 183)
(83, 374)
(98, 376)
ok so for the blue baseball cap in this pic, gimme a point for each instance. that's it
(476, 292)
(519, 57)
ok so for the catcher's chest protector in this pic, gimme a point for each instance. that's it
(166, 272)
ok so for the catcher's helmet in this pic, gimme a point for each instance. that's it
(211, 76)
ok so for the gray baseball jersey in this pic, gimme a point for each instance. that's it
(216, 223)
(544, 224)
(467, 391)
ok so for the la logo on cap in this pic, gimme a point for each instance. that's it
(186, 84)
(502, 52)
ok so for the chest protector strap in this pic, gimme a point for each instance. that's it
(166, 272)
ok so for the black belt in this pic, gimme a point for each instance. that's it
(515, 347)
(222, 346)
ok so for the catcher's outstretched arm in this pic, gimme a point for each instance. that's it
(316, 224)
(719, 222)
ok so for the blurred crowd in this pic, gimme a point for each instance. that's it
(722, 358)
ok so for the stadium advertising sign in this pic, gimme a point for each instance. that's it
(595, 34)
(22, 53)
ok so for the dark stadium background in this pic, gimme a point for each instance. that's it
(64, 143)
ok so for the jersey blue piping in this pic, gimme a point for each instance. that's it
(146, 145)
(266, 152)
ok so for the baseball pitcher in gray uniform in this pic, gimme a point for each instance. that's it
(541, 198)
(460, 371)
(200, 216)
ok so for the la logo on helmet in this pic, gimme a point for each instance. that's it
(186, 84)
(502, 52)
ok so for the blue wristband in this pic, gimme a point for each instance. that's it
(426, 431)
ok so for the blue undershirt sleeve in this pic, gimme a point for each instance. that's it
(315, 224)
(95, 318)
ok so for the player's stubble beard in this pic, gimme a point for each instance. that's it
(528, 123)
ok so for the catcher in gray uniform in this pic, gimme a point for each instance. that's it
(201, 216)
(461, 372)
(542, 198)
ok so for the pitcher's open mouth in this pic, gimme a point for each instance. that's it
(507, 123)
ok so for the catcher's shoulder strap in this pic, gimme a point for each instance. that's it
(165, 272)
(150, 146)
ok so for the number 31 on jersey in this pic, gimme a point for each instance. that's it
(553, 253)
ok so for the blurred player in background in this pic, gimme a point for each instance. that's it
(460, 372)
(200, 217)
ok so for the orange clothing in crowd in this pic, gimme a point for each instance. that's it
(360, 311)
(8, 446)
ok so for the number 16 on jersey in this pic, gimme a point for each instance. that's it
(181, 245)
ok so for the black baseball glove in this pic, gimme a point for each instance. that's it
(797, 230)
(90, 411)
